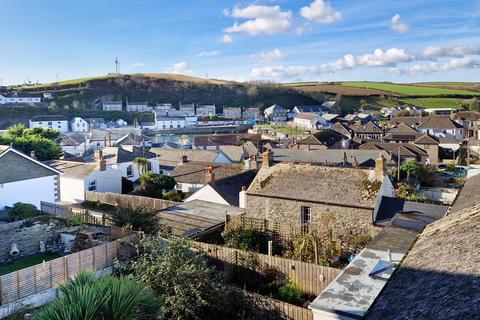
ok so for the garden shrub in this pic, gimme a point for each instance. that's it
(290, 293)
(21, 211)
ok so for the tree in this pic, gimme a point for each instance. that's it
(86, 297)
(164, 182)
(142, 164)
(135, 218)
(181, 278)
(22, 211)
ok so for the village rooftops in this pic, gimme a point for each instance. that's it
(440, 277)
(318, 184)
(335, 157)
(174, 156)
(73, 169)
(440, 122)
(229, 188)
(325, 137)
(410, 121)
(369, 127)
(114, 155)
(306, 116)
(467, 115)
(391, 206)
(406, 149)
(48, 118)
(238, 153)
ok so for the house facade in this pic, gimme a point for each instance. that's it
(24, 179)
(138, 107)
(206, 110)
(442, 127)
(18, 99)
(77, 124)
(276, 113)
(112, 105)
(309, 121)
(162, 123)
(185, 110)
(232, 113)
(251, 113)
(55, 122)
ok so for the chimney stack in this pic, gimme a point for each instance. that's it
(254, 162)
(242, 198)
(380, 168)
(184, 158)
(102, 165)
(248, 164)
(267, 158)
(209, 175)
(98, 155)
(33, 155)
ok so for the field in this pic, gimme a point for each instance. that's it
(475, 86)
(435, 102)
(336, 89)
(409, 90)
(66, 82)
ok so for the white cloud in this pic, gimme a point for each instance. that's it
(138, 64)
(269, 56)
(397, 25)
(320, 11)
(460, 50)
(432, 67)
(208, 53)
(259, 20)
(226, 38)
(180, 67)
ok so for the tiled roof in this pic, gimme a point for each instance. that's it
(306, 116)
(369, 127)
(406, 149)
(325, 137)
(174, 156)
(305, 182)
(467, 115)
(229, 188)
(114, 155)
(410, 121)
(440, 122)
(73, 169)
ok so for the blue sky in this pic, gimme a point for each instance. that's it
(283, 40)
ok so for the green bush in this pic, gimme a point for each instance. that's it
(290, 293)
(135, 218)
(245, 238)
(97, 205)
(173, 196)
(86, 297)
(21, 211)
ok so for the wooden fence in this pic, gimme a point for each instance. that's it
(73, 213)
(256, 306)
(310, 278)
(25, 282)
(117, 199)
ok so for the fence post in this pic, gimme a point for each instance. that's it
(65, 268)
(270, 248)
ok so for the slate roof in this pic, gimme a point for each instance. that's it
(325, 137)
(194, 172)
(369, 127)
(174, 156)
(467, 115)
(229, 188)
(132, 139)
(112, 133)
(306, 116)
(73, 169)
(410, 121)
(238, 153)
(305, 182)
(72, 139)
(114, 155)
(440, 122)
(48, 118)
(341, 128)
(364, 158)
(221, 139)
(406, 149)
(469, 195)
(440, 277)
(16, 166)
(314, 109)
(390, 206)
(426, 139)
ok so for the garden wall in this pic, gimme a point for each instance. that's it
(116, 199)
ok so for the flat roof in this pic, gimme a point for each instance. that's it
(354, 290)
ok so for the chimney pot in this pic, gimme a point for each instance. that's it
(184, 158)
(267, 158)
(380, 168)
(102, 165)
(209, 175)
(98, 154)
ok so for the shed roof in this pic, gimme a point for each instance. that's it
(194, 172)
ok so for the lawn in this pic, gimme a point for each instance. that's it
(409, 90)
(26, 262)
(435, 102)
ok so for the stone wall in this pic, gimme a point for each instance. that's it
(279, 210)
(27, 235)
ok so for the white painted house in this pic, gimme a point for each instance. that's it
(309, 121)
(206, 110)
(80, 177)
(232, 112)
(112, 105)
(19, 99)
(56, 122)
(276, 113)
(442, 127)
(24, 179)
(163, 123)
(77, 124)
(138, 107)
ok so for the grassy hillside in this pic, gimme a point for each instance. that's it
(410, 90)
(435, 102)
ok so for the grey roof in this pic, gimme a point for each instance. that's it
(406, 149)
(229, 188)
(114, 155)
(440, 122)
(305, 182)
(469, 195)
(467, 115)
(174, 156)
(390, 206)
(238, 153)
(73, 169)
(410, 121)
(16, 166)
(440, 277)
(132, 139)
(197, 216)
(48, 118)
(111, 133)
(72, 139)
(330, 156)
(369, 127)
(314, 109)
(194, 172)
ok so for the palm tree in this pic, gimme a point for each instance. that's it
(142, 164)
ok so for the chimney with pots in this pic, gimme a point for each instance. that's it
(98, 154)
(102, 165)
(380, 168)
(209, 175)
(267, 158)
(242, 198)
(184, 158)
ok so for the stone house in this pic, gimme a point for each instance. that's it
(302, 193)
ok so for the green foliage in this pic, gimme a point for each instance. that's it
(165, 182)
(408, 89)
(21, 211)
(290, 293)
(173, 196)
(245, 238)
(39, 140)
(86, 297)
(141, 164)
(405, 190)
(154, 184)
(181, 278)
(97, 205)
(451, 167)
(135, 218)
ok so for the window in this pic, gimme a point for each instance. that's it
(149, 166)
(92, 185)
(129, 171)
(306, 214)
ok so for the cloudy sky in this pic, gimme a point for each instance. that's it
(282, 40)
